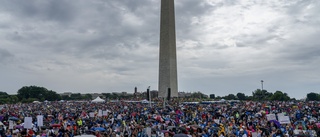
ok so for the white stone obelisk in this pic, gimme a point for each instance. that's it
(168, 57)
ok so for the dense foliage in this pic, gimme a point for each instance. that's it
(29, 94)
(259, 95)
(32, 93)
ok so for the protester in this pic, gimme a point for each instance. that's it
(129, 118)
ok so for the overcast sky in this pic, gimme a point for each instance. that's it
(223, 46)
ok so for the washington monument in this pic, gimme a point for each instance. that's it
(168, 57)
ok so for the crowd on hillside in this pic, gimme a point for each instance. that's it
(178, 118)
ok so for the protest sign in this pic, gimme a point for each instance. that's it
(91, 114)
(11, 124)
(27, 122)
(40, 120)
(271, 117)
(105, 113)
(284, 120)
(100, 113)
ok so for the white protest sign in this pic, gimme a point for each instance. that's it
(271, 117)
(105, 113)
(100, 113)
(217, 121)
(119, 117)
(280, 115)
(148, 131)
(27, 122)
(11, 124)
(284, 120)
(91, 114)
(254, 134)
(40, 120)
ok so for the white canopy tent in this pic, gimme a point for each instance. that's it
(144, 101)
(98, 100)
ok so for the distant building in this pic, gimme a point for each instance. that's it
(95, 95)
(66, 94)
(184, 94)
(123, 93)
(154, 93)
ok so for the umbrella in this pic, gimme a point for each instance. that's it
(99, 129)
(43, 127)
(171, 127)
(300, 121)
(263, 129)
(215, 128)
(151, 120)
(275, 122)
(19, 126)
(13, 118)
(56, 125)
(180, 135)
(165, 131)
(195, 126)
(133, 114)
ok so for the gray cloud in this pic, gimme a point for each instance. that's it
(101, 46)
(5, 56)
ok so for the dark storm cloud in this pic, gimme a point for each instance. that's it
(114, 44)
(112, 28)
(52, 10)
(304, 50)
(5, 55)
(185, 11)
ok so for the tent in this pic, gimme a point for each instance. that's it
(144, 101)
(36, 102)
(98, 100)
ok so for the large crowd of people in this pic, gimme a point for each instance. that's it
(179, 117)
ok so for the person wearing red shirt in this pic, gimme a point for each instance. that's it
(30, 133)
(98, 134)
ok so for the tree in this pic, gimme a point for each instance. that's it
(13, 99)
(230, 97)
(313, 96)
(212, 96)
(241, 96)
(3, 93)
(5, 98)
(30, 92)
(38, 93)
(87, 96)
(76, 96)
(249, 98)
(261, 95)
(107, 95)
(65, 97)
(51, 95)
(198, 95)
(279, 96)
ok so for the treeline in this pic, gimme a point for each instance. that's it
(29, 94)
(264, 95)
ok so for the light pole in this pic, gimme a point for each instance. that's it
(261, 85)
(149, 95)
